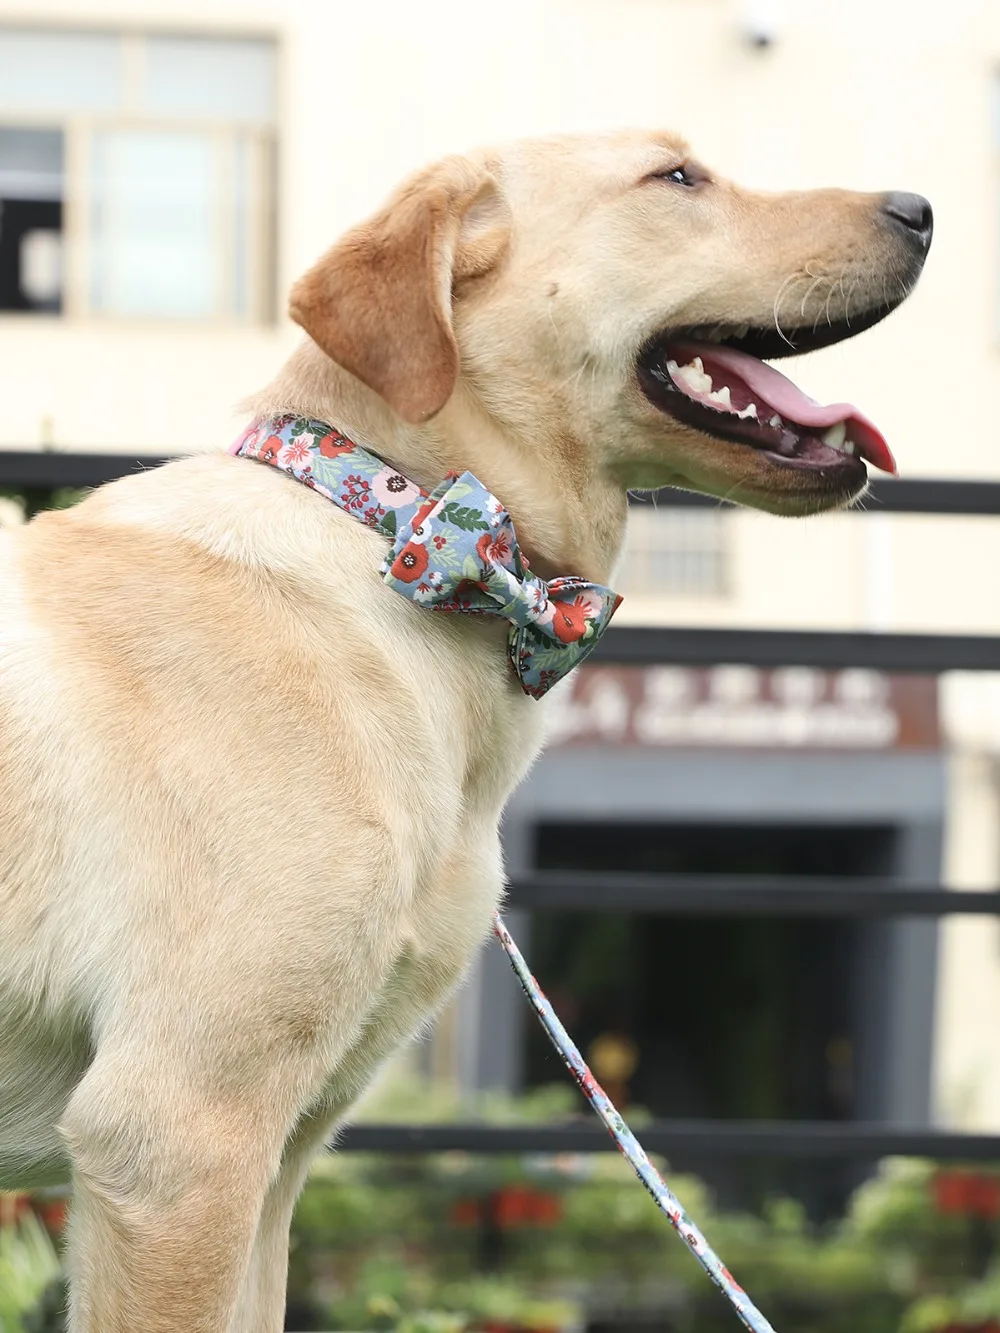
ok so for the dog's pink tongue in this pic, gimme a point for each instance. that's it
(768, 386)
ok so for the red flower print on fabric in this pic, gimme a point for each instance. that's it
(570, 620)
(421, 514)
(333, 445)
(410, 564)
(270, 449)
(296, 453)
(546, 679)
(495, 547)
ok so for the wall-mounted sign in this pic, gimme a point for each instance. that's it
(795, 708)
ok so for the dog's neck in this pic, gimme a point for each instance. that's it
(569, 519)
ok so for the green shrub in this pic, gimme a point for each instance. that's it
(28, 1265)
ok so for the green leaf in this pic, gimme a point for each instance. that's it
(464, 517)
(449, 557)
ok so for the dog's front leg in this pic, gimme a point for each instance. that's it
(171, 1169)
(415, 990)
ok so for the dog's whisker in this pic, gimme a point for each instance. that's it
(811, 288)
(854, 285)
(825, 311)
(779, 296)
(826, 307)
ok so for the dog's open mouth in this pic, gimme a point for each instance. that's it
(722, 388)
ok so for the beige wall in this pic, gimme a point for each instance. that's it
(967, 1042)
(865, 93)
(368, 92)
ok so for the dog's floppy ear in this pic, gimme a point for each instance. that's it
(379, 302)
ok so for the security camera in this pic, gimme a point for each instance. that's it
(761, 23)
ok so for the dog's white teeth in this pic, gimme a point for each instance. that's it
(693, 377)
(741, 330)
(835, 436)
(776, 421)
(721, 396)
(749, 411)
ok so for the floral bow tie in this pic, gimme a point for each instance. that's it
(453, 549)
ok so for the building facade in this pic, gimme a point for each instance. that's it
(167, 170)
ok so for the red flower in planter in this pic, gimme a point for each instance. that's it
(50, 1212)
(965, 1193)
(53, 1213)
(522, 1206)
(547, 1210)
(465, 1213)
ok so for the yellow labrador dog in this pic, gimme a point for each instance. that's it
(248, 793)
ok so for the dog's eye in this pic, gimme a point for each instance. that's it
(689, 174)
(678, 176)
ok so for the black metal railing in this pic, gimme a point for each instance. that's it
(795, 896)
(746, 895)
(53, 469)
(809, 1139)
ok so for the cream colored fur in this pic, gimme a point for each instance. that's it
(248, 795)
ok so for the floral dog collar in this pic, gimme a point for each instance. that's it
(453, 549)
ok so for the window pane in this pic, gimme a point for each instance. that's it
(31, 163)
(195, 76)
(59, 71)
(31, 191)
(238, 216)
(154, 242)
(675, 551)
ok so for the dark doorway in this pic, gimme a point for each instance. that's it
(715, 1017)
(730, 1018)
(724, 849)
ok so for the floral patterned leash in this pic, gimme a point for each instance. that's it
(627, 1143)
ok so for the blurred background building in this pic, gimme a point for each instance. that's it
(167, 169)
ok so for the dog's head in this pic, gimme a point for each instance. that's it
(613, 296)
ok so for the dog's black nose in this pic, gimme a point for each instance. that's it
(913, 213)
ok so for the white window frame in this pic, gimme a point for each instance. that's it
(79, 128)
(697, 537)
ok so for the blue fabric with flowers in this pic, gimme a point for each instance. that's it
(453, 549)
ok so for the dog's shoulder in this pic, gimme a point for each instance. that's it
(213, 581)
